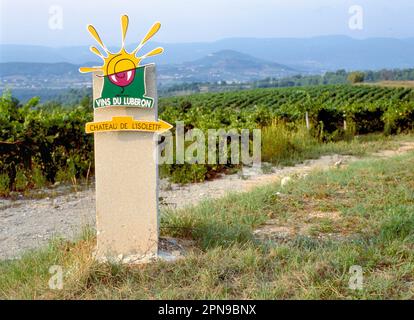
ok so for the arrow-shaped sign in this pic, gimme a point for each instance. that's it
(128, 124)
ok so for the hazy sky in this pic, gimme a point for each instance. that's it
(38, 22)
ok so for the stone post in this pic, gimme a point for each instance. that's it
(126, 182)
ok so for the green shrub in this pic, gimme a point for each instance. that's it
(185, 173)
(53, 136)
(399, 117)
(63, 175)
(21, 181)
(356, 77)
(38, 179)
(4, 184)
(284, 143)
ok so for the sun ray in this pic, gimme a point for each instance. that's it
(96, 36)
(154, 29)
(121, 61)
(89, 69)
(154, 52)
(97, 52)
(124, 28)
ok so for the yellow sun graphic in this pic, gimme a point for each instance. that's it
(121, 62)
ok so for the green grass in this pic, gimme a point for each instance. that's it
(286, 146)
(359, 215)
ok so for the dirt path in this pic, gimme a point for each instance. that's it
(28, 224)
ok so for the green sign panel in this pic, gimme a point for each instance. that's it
(125, 89)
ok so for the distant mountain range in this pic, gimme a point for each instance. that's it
(11, 69)
(26, 75)
(314, 55)
(228, 66)
(29, 70)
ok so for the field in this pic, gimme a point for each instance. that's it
(44, 144)
(275, 242)
(365, 108)
(333, 95)
(393, 84)
(308, 236)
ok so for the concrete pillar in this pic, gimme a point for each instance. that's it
(126, 182)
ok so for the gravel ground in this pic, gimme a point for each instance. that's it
(28, 224)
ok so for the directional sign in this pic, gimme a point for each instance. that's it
(128, 124)
(126, 171)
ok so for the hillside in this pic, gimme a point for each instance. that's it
(226, 65)
(41, 77)
(317, 54)
(220, 66)
(332, 96)
(39, 69)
